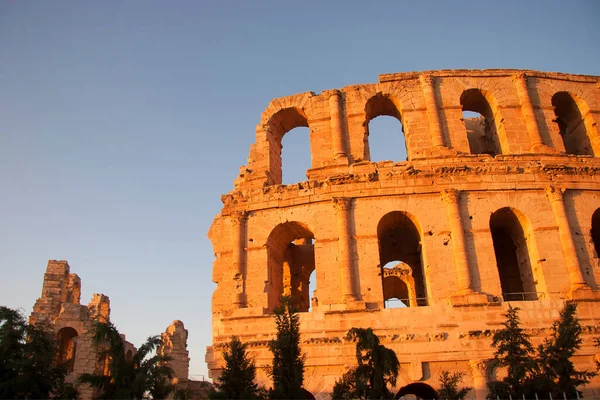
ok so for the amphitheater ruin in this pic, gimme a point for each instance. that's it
(59, 310)
(502, 208)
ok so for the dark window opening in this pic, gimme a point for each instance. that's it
(417, 390)
(479, 123)
(512, 256)
(399, 240)
(571, 125)
(595, 232)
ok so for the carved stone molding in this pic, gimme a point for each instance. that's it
(426, 80)
(342, 203)
(450, 196)
(554, 193)
(479, 368)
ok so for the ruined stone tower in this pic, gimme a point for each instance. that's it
(59, 311)
(485, 212)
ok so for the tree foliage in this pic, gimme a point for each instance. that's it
(28, 364)
(515, 352)
(550, 370)
(287, 370)
(556, 373)
(449, 383)
(377, 366)
(237, 378)
(145, 375)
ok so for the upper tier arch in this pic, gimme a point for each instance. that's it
(429, 105)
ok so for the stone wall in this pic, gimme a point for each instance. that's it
(485, 212)
(60, 311)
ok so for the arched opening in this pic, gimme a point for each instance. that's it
(295, 155)
(312, 290)
(291, 260)
(480, 123)
(67, 345)
(129, 355)
(384, 132)
(398, 285)
(400, 241)
(417, 390)
(595, 232)
(512, 256)
(571, 125)
(281, 123)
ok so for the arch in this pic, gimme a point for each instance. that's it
(513, 242)
(377, 106)
(399, 239)
(278, 125)
(398, 284)
(291, 260)
(419, 389)
(129, 355)
(67, 345)
(482, 133)
(571, 121)
(595, 232)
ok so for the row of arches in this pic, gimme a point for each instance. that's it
(291, 259)
(385, 138)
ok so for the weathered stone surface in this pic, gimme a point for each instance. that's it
(60, 312)
(500, 209)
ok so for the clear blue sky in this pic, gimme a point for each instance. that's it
(122, 123)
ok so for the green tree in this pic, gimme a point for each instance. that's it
(449, 386)
(377, 367)
(28, 363)
(237, 378)
(143, 376)
(287, 370)
(556, 373)
(514, 351)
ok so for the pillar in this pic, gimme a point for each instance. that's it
(238, 233)
(461, 260)
(337, 127)
(479, 369)
(555, 196)
(520, 80)
(435, 126)
(343, 207)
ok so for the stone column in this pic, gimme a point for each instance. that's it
(337, 126)
(343, 206)
(520, 80)
(555, 195)
(479, 370)
(435, 126)
(452, 199)
(238, 255)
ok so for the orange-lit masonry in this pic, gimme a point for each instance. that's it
(486, 211)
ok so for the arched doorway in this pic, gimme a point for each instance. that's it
(571, 125)
(512, 255)
(480, 123)
(392, 145)
(67, 345)
(417, 390)
(291, 260)
(400, 241)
